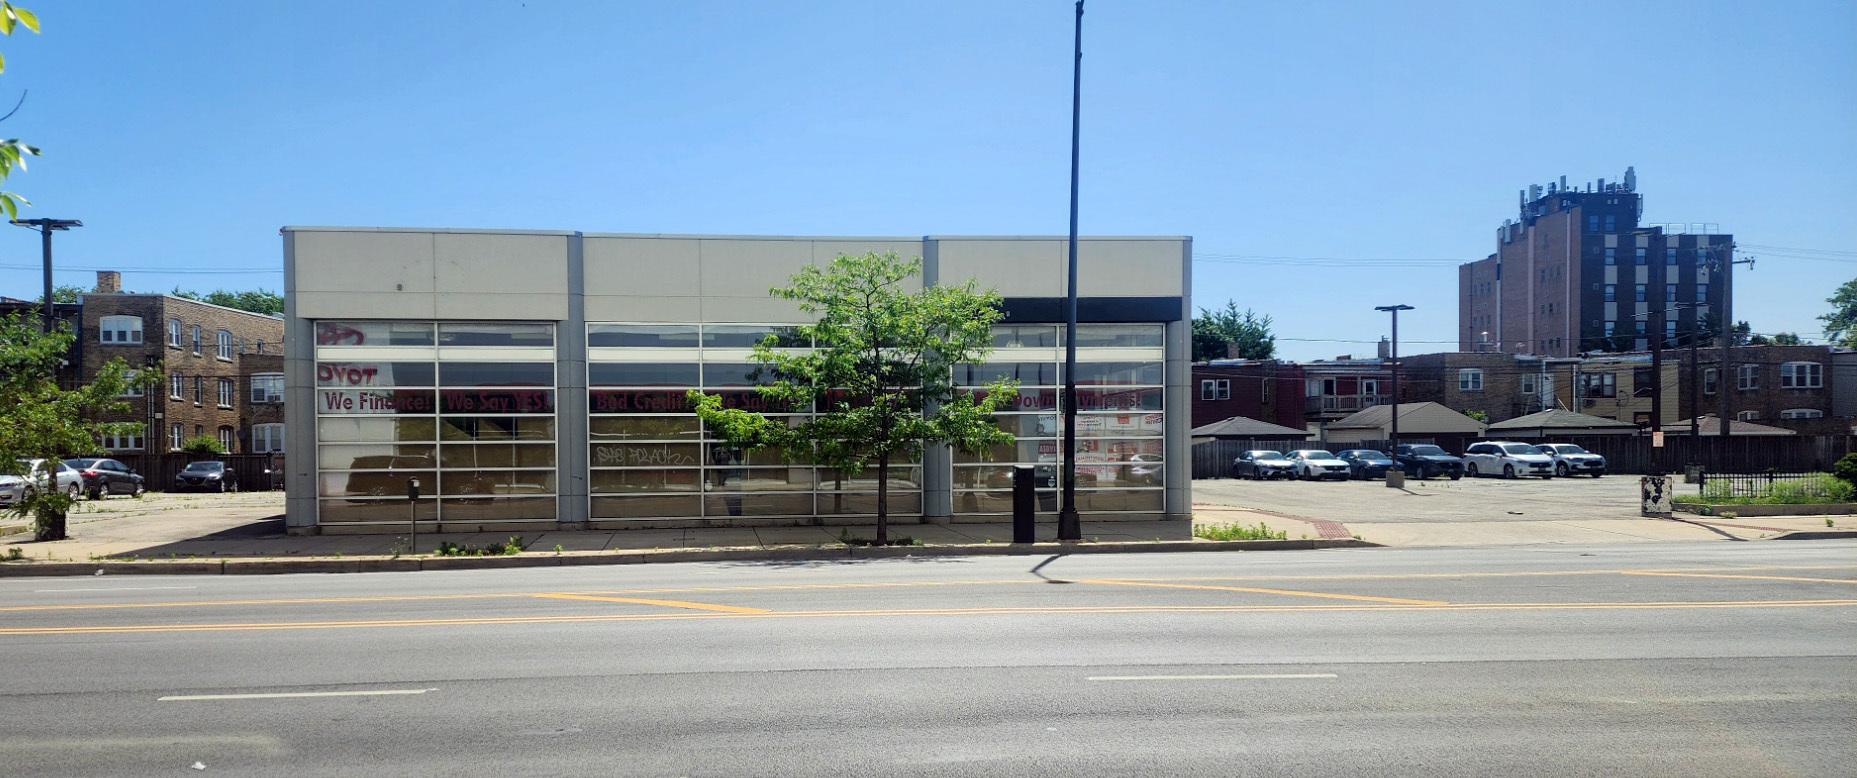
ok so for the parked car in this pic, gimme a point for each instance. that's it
(1570, 459)
(1365, 463)
(207, 477)
(1507, 459)
(14, 488)
(1263, 465)
(1314, 464)
(104, 477)
(1423, 460)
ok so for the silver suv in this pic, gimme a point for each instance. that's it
(1507, 460)
(1570, 459)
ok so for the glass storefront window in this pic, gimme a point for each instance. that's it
(374, 333)
(497, 428)
(369, 374)
(496, 374)
(1120, 335)
(368, 430)
(751, 335)
(643, 374)
(642, 335)
(1024, 335)
(482, 334)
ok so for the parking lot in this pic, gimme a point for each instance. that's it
(1434, 500)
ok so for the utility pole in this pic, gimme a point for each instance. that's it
(1069, 524)
(1722, 381)
(46, 227)
(1657, 392)
(1392, 442)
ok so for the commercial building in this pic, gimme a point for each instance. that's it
(1576, 272)
(537, 379)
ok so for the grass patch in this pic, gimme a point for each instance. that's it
(845, 537)
(1238, 532)
(1821, 489)
(511, 548)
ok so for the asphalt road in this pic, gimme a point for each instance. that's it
(1672, 659)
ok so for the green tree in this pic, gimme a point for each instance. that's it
(13, 153)
(1786, 339)
(1213, 331)
(261, 301)
(880, 373)
(1841, 322)
(1482, 416)
(203, 446)
(38, 420)
(63, 293)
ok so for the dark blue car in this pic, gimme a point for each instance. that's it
(1365, 463)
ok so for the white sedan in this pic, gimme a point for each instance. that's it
(14, 488)
(1316, 464)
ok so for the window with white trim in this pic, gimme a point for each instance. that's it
(199, 390)
(174, 333)
(196, 340)
(176, 385)
(1470, 379)
(1709, 378)
(267, 438)
(1802, 375)
(174, 437)
(224, 345)
(1528, 383)
(1747, 416)
(228, 389)
(1801, 413)
(1747, 377)
(226, 438)
(119, 330)
(123, 442)
(134, 389)
(1215, 389)
(267, 388)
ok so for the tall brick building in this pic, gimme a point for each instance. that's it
(222, 368)
(1576, 272)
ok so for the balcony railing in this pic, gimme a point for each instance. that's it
(1343, 403)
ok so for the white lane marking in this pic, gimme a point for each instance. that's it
(116, 589)
(282, 695)
(1256, 677)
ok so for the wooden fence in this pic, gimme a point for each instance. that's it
(158, 470)
(1628, 454)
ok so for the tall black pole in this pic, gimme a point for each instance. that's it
(1392, 442)
(45, 243)
(1657, 391)
(1722, 383)
(1695, 378)
(1069, 525)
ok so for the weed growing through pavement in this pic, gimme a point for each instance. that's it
(510, 548)
(1827, 522)
(1236, 531)
(14, 554)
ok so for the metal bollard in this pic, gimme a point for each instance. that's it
(1022, 503)
(412, 502)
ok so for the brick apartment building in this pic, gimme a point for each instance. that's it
(1504, 386)
(1576, 273)
(1265, 389)
(1793, 387)
(223, 368)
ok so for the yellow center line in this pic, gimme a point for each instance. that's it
(1076, 610)
(1363, 598)
(1755, 577)
(662, 603)
(921, 584)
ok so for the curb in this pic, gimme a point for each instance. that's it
(1817, 534)
(576, 559)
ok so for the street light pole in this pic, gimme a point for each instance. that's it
(1393, 441)
(1069, 524)
(45, 228)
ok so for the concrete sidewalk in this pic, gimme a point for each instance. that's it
(249, 527)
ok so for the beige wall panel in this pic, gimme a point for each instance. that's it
(506, 305)
(608, 307)
(365, 305)
(1017, 268)
(490, 264)
(752, 310)
(1128, 268)
(363, 261)
(749, 267)
(824, 251)
(649, 267)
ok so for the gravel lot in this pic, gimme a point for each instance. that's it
(1435, 500)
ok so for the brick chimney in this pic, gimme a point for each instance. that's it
(109, 282)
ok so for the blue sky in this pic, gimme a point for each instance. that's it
(185, 133)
